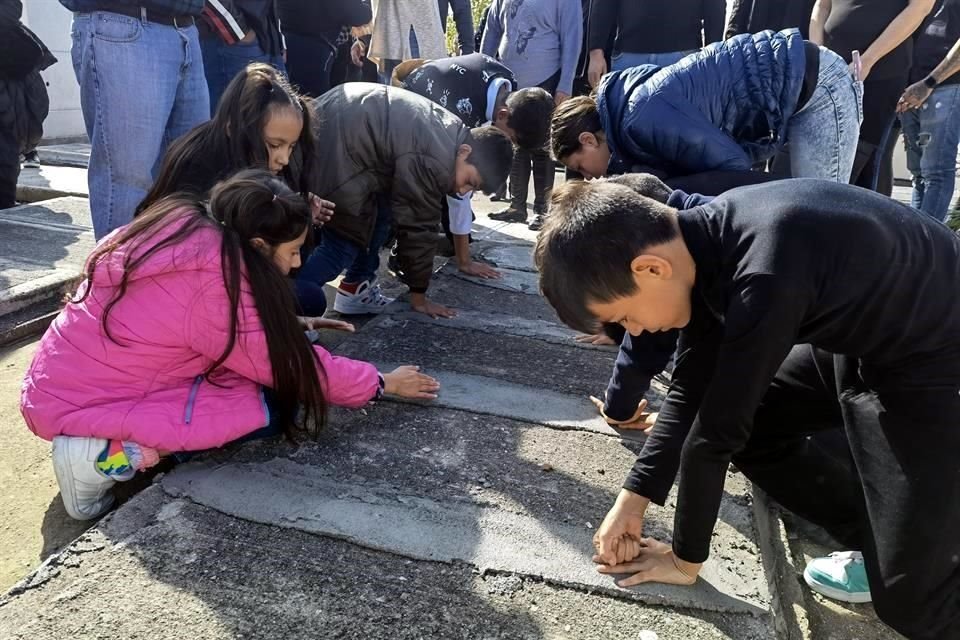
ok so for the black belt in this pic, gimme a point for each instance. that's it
(141, 13)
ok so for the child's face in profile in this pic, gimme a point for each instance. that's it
(660, 302)
(280, 134)
(467, 177)
(286, 255)
(592, 159)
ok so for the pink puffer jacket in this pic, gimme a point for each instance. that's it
(171, 325)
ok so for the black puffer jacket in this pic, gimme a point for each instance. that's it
(23, 94)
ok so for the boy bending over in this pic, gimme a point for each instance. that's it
(827, 370)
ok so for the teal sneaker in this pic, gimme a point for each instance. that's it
(840, 576)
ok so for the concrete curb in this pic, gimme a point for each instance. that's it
(787, 602)
(31, 194)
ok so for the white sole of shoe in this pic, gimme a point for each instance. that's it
(65, 480)
(834, 593)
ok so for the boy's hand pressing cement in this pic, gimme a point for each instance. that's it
(324, 323)
(421, 304)
(479, 270)
(321, 209)
(654, 562)
(616, 541)
(639, 420)
(598, 339)
(408, 382)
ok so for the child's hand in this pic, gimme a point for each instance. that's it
(321, 209)
(621, 528)
(408, 382)
(655, 562)
(639, 420)
(421, 304)
(480, 270)
(325, 323)
(598, 339)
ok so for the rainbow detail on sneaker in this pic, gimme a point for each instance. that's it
(113, 461)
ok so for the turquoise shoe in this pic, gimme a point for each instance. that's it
(840, 576)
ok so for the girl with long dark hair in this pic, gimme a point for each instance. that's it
(183, 323)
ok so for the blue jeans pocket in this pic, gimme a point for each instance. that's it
(113, 27)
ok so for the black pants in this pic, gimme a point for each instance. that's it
(879, 470)
(309, 63)
(9, 167)
(872, 166)
(540, 162)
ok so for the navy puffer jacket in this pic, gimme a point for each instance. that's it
(725, 107)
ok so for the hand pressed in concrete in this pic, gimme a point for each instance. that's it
(622, 550)
(641, 419)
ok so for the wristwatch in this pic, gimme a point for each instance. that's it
(930, 82)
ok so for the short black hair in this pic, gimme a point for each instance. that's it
(492, 155)
(530, 111)
(575, 116)
(594, 231)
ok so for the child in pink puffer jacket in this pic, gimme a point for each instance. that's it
(184, 319)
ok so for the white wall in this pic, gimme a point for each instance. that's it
(51, 22)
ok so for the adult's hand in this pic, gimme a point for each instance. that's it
(596, 68)
(654, 562)
(913, 97)
(641, 419)
(615, 540)
(560, 97)
(358, 52)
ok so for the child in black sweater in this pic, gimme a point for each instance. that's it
(827, 369)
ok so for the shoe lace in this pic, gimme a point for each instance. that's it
(375, 296)
(846, 558)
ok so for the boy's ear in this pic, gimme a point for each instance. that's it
(502, 115)
(651, 266)
(588, 139)
(464, 151)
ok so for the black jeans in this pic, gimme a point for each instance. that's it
(872, 167)
(309, 63)
(879, 470)
(9, 167)
(541, 164)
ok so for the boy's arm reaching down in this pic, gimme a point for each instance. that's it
(640, 358)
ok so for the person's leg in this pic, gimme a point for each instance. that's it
(823, 134)
(222, 61)
(129, 74)
(623, 61)
(544, 175)
(9, 156)
(938, 138)
(359, 292)
(309, 62)
(519, 183)
(904, 445)
(910, 122)
(879, 107)
(191, 106)
(328, 260)
(798, 452)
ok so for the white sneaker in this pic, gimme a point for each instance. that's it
(368, 299)
(85, 491)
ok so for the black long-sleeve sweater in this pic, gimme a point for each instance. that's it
(323, 18)
(655, 26)
(803, 261)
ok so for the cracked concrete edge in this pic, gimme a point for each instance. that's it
(787, 599)
(31, 194)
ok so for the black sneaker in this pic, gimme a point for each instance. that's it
(500, 195)
(537, 223)
(509, 215)
(31, 160)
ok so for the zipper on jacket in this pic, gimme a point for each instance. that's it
(188, 414)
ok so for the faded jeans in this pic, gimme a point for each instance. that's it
(222, 61)
(931, 135)
(622, 61)
(141, 87)
(823, 134)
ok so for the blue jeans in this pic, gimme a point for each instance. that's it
(622, 61)
(222, 61)
(335, 253)
(823, 134)
(389, 65)
(141, 87)
(931, 135)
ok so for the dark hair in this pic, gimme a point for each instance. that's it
(234, 137)
(594, 231)
(573, 117)
(530, 111)
(251, 204)
(492, 155)
(645, 184)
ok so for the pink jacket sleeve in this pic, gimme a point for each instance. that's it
(345, 382)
